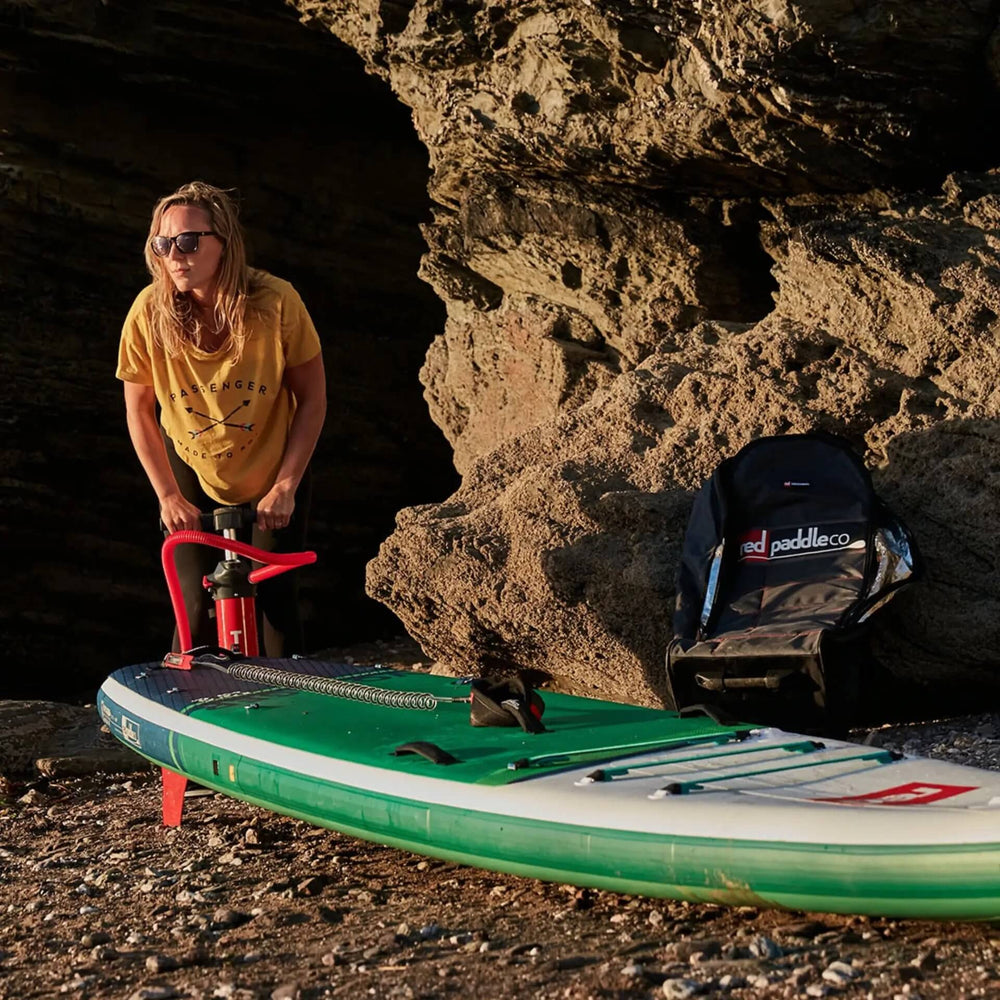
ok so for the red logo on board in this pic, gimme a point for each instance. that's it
(913, 793)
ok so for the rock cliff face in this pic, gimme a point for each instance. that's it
(661, 230)
(597, 169)
(559, 550)
(755, 93)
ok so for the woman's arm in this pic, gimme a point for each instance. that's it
(307, 383)
(144, 430)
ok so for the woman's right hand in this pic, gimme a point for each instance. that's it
(178, 514)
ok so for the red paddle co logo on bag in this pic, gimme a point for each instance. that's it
(765, 544)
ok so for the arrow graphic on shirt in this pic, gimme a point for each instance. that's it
(224, 421)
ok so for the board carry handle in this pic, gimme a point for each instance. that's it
(714, 712)
(430, 751)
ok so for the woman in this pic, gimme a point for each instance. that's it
(230, 357)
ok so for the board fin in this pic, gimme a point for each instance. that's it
(174, 785)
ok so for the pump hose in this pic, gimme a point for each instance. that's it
(338, 689)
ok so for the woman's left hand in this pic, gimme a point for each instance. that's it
(275, 508)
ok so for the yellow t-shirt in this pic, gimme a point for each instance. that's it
(229, 422)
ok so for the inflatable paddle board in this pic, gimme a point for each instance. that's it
(610, 796)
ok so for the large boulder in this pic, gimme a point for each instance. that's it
(559, 550)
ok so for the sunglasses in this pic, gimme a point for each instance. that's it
(186, 243)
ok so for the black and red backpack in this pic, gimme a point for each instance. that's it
(787, 554)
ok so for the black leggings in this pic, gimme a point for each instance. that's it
(278, 619)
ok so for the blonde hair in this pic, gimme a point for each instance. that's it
(174, 322)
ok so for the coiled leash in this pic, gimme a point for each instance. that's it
(222, 660)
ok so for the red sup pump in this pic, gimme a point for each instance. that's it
(233, 587)
(232, 584)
